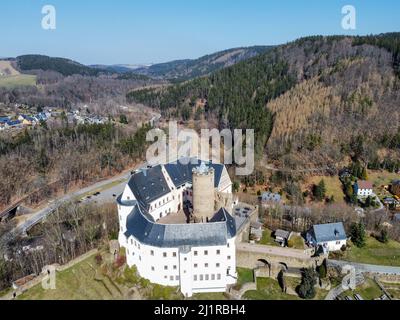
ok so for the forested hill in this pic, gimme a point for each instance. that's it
(181, 70)
(317, 100)
(64, 66)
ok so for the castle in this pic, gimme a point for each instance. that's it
(176, 227)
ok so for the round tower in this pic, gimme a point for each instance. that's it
(203, 193)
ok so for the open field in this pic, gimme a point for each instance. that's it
(77, 283)
(332, 184)
(269, 289)
(374, 252)
(17, 80)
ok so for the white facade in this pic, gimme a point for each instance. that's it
(194, 267)
(364, 192)
(334, 245)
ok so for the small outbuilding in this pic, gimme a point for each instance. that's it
(282, 236)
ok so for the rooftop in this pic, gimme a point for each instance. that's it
(362, 184)
(329, 232)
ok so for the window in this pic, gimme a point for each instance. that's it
(195, 277)
(205, 252)
(213, 277)
(152, 268)
(218, 252)
(131, 241)
(139, 246)
(229, 257)
(140, 258)
(177, 278)
(218, 276)
(164, 254)
(195, 253)
(195, 265)
(217, 265)
(175, 267)
(207, 277)
(171, 278)
(206, 265)
(165, 267)
(152, 252)
(337, 242)
(174, 254)
(201, 277)
(227, 245)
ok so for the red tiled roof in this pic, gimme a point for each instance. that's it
(362, 184)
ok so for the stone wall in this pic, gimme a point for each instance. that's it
(250, 260)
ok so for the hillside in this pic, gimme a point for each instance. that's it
(63, 66)
(11, 78)
(315, 101)
(181, 70)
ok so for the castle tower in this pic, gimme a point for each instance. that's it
(203, 193)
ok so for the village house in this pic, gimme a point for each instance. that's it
(328, 237)
(282, 236)
(363, 188)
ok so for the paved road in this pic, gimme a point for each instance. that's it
(105, 196)
(278, 251)
(361, 267)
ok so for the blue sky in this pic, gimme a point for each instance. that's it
(151, 31)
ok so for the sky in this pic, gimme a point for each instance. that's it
(154, 31)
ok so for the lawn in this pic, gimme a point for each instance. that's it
(368, 291)
(267, 238)
(296, 242)
(269, 289)
(87, 281)
(374, 252)
(209, 296)
(77, 283)
(393, 289)
(244, 276)
(332, 184)
(18, 80)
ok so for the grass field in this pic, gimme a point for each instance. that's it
(393, 289)
(269, 289)
(244, 276)
(80, 282)
(368, 291)
(267, 238)
(374, 252)
(332, 184)
(17, 80)
(87, 281)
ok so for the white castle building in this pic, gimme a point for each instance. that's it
(176, 228)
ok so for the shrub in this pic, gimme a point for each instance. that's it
(99, 259)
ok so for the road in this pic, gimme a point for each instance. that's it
(362, 268)
(116, 183)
